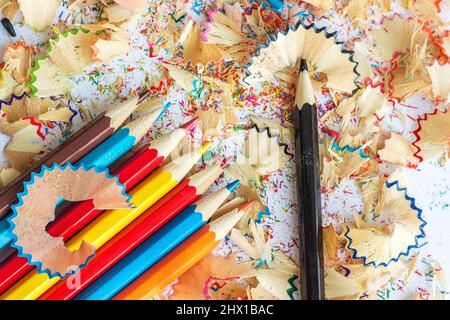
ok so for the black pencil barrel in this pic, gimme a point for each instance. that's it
(309, 204)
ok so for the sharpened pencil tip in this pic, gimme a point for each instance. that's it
(246, 206)
(226, 162)
(205, 147)
(223, 225)
(9, 27)
(232, 186)
(164, 109)
(303, 65)
(143, 96)
(189, 125)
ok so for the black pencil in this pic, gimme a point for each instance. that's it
(8, 26)
(309, 204)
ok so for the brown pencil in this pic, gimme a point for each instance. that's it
(75, 147)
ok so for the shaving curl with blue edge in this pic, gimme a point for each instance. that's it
(421, 234)
(15, 213)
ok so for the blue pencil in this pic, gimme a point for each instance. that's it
(113, 148)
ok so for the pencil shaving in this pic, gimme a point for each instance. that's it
(74, 5)
(281, 285)
(259, 293)
(222, 30)
(397, 35)
(18, 59)
(264, 152)
(5, 3)
(213, 278)
(371, 189)
(439, 82)
(121, 12)
(41, 19)
(327, 63)
(397, 150)
(195, 50)
(20, 107)
(212, 123)
(24, 143)
(337, 286)
(359, 11)
(70, 53)
(105, 50)
(50, 80)
(380, 245)
(37, 204)
(131, 5)
(432, 135)
(346, 280)
(343, 164)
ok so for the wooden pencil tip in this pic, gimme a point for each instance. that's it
(203, 179)
(226, 162)
(121, 112)
(246, 206)
(140, 126)
(189, 125)
(163, 110)
(223, 225)
(205, 147)
(143, 96)
(180, 166)
(209, 204)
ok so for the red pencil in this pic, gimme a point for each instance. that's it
(77, 216)
(188, 191)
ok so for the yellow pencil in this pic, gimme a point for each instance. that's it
(106, 226)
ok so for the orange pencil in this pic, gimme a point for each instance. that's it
(182, 258)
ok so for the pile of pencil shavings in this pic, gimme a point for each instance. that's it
(284, 56)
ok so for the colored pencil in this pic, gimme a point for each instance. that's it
(182, 258)
(157, 246)
(78, 215)
(106, 226)
(107, 152)
(73, 148)
(122, 141)
(278, 5)
(188, 191)
(309, 203)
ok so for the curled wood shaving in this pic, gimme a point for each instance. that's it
(222, 30)
(71, 52)
(327, 64)
(397, 150)
(37, 204)
(381, 244)
(213, 278)
(264, 152)
(439, 81)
